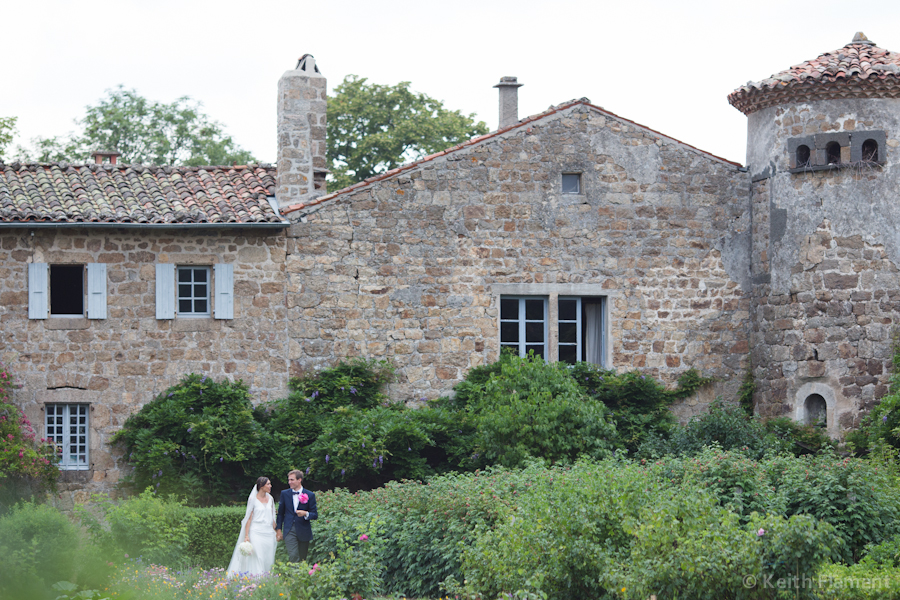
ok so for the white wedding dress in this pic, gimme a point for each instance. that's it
(262, 536)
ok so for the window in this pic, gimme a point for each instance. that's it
(523, 325)
(59, 291)
(816, 410)
(194, 291)
(67, 428)
(803, 156)
(833, 153)
(870, 151)
(66, 290)
(581, 330)
(571, 183)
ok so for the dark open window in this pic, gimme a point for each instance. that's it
(816, 411)
(803, 155)
(67, 290)
(833, 153)
(870, 151)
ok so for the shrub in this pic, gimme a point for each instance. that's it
(595, 529)
(39, 547)
(425, 525)
(366, 448)
(194, 440)
(639, 404)
(725, 425)
(860, 499)
(294, 423)
(800, 439)
(534, 409)
(154, 528)
(27, 466)
(353, 571)
(212, 533)
(857, 498)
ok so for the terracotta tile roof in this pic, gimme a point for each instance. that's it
(477, 140)
(858, 70)
(133, 194)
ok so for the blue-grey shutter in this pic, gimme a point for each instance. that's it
(37, 290)
(224, 285)
(96, 278)
(165, 291)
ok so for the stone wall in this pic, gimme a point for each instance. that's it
(410, 268)
(825, 257)
(119, 363)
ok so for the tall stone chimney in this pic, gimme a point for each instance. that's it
(301, 134)
(509, 101)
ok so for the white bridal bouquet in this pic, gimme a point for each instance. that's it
(246, 548)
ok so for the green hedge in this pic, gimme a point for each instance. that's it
(212, 533)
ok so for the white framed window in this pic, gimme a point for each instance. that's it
(571, 183)
(67, 427)
(58, 291)
(194, 291)
(523, 325)
(581, 329)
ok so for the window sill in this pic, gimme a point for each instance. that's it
(834, 167)
(193, 324)
(67, 323)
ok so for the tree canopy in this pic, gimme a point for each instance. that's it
(7, 131)
(143, 131)
(373, 128)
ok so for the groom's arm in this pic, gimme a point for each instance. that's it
(311, 510)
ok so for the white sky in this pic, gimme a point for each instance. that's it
(666, 64)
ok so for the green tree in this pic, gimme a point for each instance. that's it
(144, 132)
(374, 128)
(7, 131)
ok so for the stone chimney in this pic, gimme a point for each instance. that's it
(301, 134)
(509, 101)
(111, 155)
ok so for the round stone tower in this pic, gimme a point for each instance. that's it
(824, 163)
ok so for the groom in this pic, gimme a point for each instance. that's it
(296, 508)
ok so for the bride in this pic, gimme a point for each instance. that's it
(258, 528)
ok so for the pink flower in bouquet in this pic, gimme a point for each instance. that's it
(304, 498)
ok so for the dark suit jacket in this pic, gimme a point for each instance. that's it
(288, 518)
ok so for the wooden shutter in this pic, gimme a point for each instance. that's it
(96, 283)
(224, 285)
(37, 291)
(165, 291)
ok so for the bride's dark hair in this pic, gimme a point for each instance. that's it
(261, 482)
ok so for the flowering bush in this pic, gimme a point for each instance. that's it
(25, 461)
(193, 440)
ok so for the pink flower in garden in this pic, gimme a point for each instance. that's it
(363, 537)
(761, 533)
(304, 498)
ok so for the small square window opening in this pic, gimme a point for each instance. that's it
(67, 290)
(571, 183)
(193, 291)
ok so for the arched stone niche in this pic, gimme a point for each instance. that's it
(808, 403)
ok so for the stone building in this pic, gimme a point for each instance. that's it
(575, 233)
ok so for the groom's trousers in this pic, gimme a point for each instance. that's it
(297, 549)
